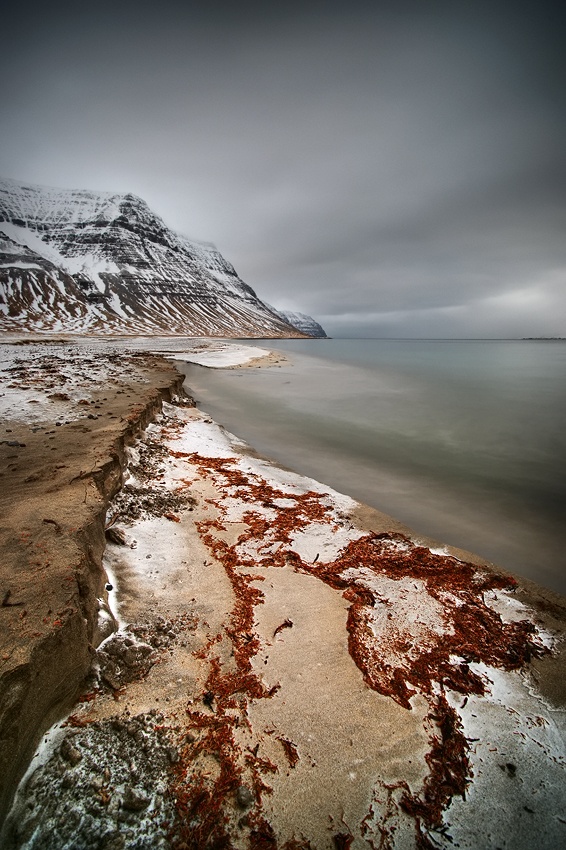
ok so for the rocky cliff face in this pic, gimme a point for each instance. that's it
(105, 263)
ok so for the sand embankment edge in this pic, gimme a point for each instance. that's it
(52, 575)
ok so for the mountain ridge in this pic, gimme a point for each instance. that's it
(103, 262)
(302, 322)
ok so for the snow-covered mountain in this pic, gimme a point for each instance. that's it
(74, 260)
(305, 324)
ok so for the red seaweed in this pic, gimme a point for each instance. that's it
(397, 666)
(286, 624)
(291, 750)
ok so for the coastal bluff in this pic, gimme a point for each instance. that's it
(59, 473)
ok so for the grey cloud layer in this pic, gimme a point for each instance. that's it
(393, 170)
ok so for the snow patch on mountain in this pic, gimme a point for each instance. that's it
(25, 238)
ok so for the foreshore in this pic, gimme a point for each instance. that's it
(290, 668)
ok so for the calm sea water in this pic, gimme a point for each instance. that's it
(464, 441)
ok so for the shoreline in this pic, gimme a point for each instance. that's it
(393, 441)
(231, 570)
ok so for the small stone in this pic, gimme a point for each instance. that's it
(135, 799)
(116, 535)
(114, 842)
(70, 753)
(130, 656)
(173, 754)
(244, 797)
(144, 649)
(111, 680)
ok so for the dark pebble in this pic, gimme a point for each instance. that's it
(244, 797)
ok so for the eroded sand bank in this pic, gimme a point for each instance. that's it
(296, 670)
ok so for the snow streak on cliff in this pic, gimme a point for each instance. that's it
(74, 260)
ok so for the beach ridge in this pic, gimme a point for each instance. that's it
(59, 482)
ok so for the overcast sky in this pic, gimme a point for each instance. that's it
(392, 168)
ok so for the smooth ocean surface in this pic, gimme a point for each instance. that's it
(464, 441)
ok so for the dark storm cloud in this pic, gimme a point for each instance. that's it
(393, 168)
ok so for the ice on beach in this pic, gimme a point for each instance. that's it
(202, 437)
(509, 608)
(235, 510)
(220, 356)
(509, 728)
(322, 542)
(292, 482)
(24, 385)
(45, 382)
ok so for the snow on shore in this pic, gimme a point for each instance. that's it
(221, 355)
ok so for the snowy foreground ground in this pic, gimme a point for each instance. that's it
(292, 671)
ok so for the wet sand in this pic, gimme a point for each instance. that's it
(292, 669)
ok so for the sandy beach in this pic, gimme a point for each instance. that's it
(234, 655)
